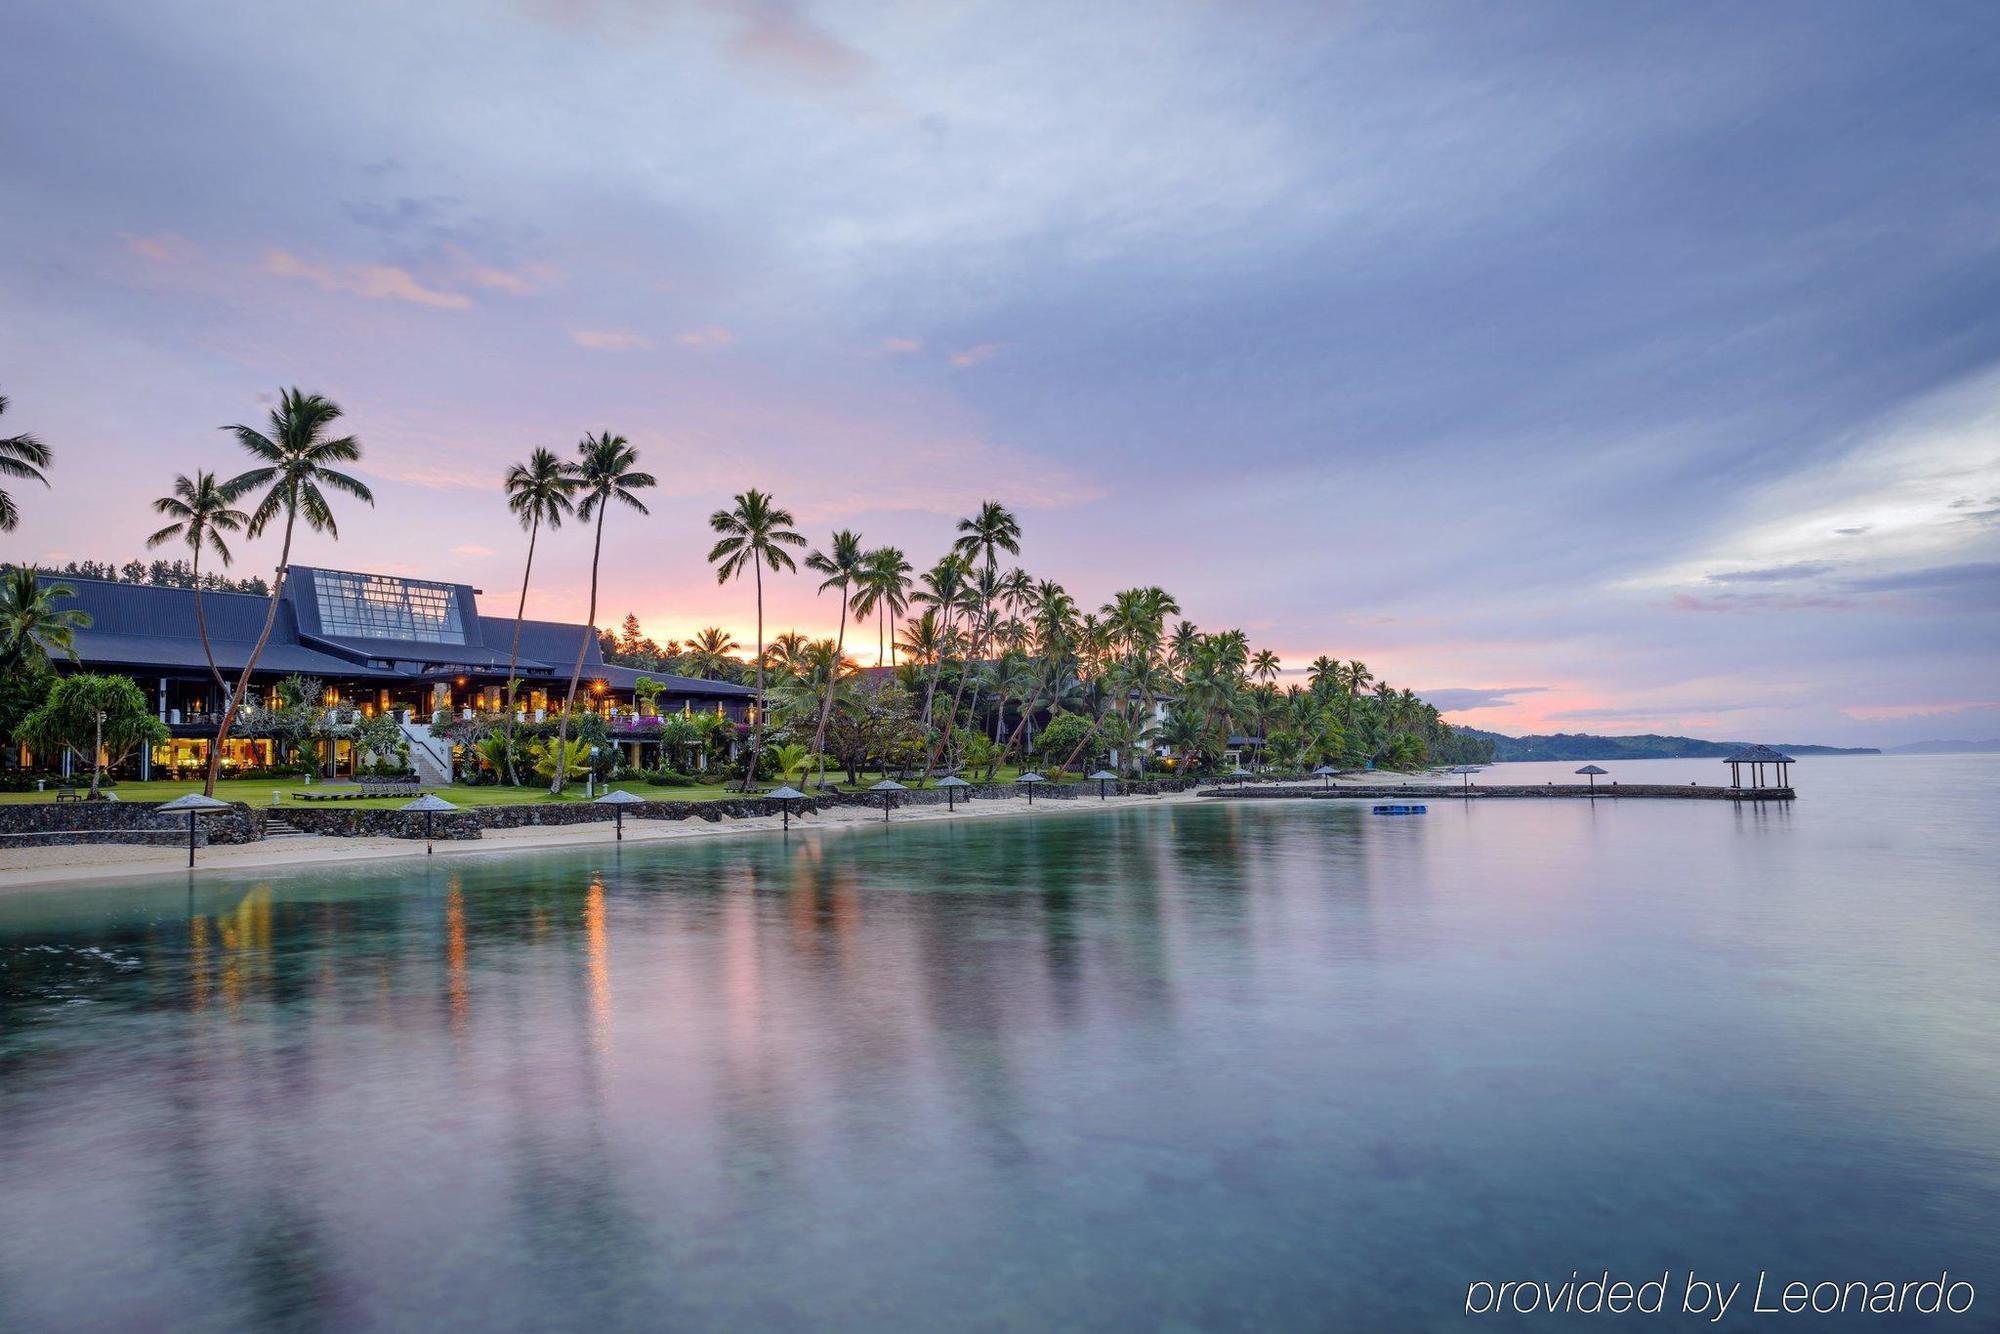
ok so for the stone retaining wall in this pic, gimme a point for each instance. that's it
(54, 823)
(1399, 792)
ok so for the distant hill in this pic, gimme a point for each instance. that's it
(1946, 748)
(1582, 746)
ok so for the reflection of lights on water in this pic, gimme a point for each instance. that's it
(598, 962)
(454, 958)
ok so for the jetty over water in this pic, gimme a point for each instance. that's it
(1448, 792)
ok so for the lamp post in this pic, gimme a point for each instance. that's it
(1028, 780)
(196, 805)
(590, 778)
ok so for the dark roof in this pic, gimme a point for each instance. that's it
(140, 625)
(136, 626)
(1759, 755)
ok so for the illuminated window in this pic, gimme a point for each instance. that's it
(380, 606)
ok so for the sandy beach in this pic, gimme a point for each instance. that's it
(42, 867)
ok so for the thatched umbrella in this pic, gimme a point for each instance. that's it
(196, 806)
(786, 796)
(430, 804)
(1592, 771)
(888, 787)
(951, 783)
(618, 799)
(1466, 771)
(1325, 775)
(1239, 773)
(1102, 778)
(1028, 780)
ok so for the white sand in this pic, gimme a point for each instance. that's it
(39, 867)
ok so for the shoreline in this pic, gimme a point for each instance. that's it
(23, 870)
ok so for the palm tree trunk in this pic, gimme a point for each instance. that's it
(977, 646)
(201, 625)
(757, 728)
(832, 683)
(576, 672)
(514, 652)
(257, 650)
(97, 756)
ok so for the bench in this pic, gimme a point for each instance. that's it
(68, 794)
(357, 793)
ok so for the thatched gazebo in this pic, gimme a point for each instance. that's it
(1591, 771)
(1757, 757)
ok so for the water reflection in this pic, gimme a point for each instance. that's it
(1221, 1067)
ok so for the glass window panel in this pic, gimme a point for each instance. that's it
(381, 606)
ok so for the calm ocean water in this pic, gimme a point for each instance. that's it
(1282, 1066)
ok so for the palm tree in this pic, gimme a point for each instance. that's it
(20, 456)
(708, 653)
(539, 492)
(753, 535)
(200, 508)
(980, 541)
(33, 629)
(884, 594)
(295, 463)
(606, 469)
(844, 564)
(1323, 676)
(1264, 665)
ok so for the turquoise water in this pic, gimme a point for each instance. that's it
(1278, 1066)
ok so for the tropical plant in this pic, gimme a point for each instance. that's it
(606, 469)
(34, 627)
(709, 654)
(791, 758)
(540, 494)
(201, 510)
(753, 535)
(21, 456)
(884, 593)
(843, 563)
(295, 468)
(557, 759)
(99, 719)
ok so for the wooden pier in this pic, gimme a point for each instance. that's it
(1448, 792)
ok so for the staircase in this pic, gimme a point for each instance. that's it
(430, 757)
(277, 826)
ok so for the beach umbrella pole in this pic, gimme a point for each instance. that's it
(190, 839)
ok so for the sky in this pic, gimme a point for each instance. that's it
(1584, 367)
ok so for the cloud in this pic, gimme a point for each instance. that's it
(376, 282)
(165, 247)
(1742, 602)
(1773, 574)
(472, 551)
(1465, 699)
(972, 356)
(1882, 712)
(711, 335)
(902, 347)
(774, 36)
(609, 340)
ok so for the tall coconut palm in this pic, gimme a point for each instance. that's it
(753, 536)
(1264, 665)
(883, 593)
(201, 510)
(21, 456)
(606, 469)
(708, 653)
(33, 628)
(295, 469)
(844, 564)
(540, 493)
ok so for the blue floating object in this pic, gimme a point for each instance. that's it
(1401, 810)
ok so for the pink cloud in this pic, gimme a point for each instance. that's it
(1875, 713)
(902, 347)
(376, 282)
(777, 38)
(609, 340)
(712, 335)
(472, 551)
(972, 356)
(165, 247)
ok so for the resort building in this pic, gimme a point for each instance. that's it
(374, 643)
